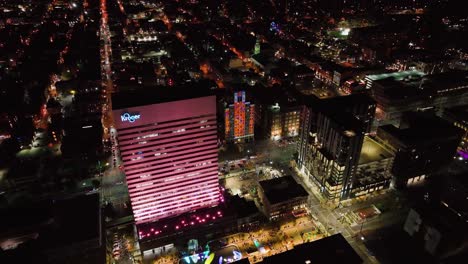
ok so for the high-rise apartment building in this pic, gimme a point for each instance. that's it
(335, 154)
(239, 118)
(169, 151)
(330, 143)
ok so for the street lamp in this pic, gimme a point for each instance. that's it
(360, 230)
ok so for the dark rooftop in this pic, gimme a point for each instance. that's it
(158, 94)
(459, 113)
(349, 101)
(282, 189)
(422, 127)
(446, 80)
(413, 87)
(243, 261)
(59, 222)
(333, 249)
(443, 217)
(345, 121)
(275, 95)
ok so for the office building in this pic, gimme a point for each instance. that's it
(278, 113)
(423, 145)
(437, 229)
(168, 145)
(239, 119)
(292, 201)
(413, 91)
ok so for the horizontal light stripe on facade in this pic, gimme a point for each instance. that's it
(170, 153)
(164, 166)
(168, 197)
(142, 218)
(168, 176)
(161, 187)
(143, 201)
(168, 130)
(154, 148)
(171, 165)
(167, 139)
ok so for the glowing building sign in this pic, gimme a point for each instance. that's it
(127, 117)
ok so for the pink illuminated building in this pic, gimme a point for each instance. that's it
(170, 156)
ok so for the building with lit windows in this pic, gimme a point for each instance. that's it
(293, 198)
(168, 145)
(330, 147)
(278, 113)
(282, 122)
(239, 119)
(398, 93)
(335, 154)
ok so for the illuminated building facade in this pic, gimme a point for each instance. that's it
(334, 156)
(282, 122)
(170, 156)
(293, 196)
(239, 120)
(330, 146)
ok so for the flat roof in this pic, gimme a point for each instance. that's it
(446, 80)
(412, 85)
(158, 94)
(460, 113)
(395, 75)
(348, 124)
(332, 249)
(60, 222)
(282, 189)
(423, 127)
(372, 151)
(78, 219)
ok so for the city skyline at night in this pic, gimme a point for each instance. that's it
(233, 131)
